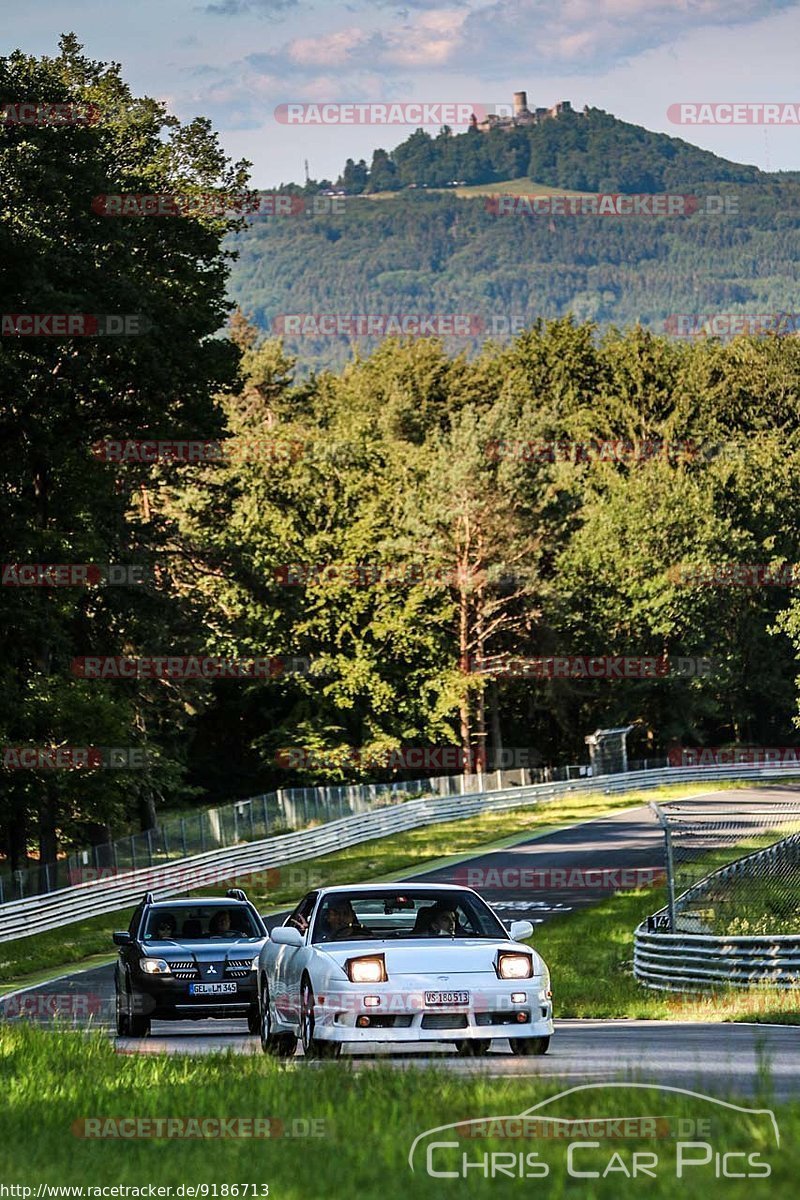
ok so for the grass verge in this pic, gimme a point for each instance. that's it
(365, 1122)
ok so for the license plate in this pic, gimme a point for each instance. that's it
(442, 999)
(212, 989)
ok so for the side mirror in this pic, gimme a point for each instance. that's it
(520, 930)
(121, 938)
(286, 935)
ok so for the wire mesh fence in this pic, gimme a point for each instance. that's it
(732, 869)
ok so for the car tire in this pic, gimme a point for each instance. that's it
(138, 1027)
(532, 1045)
(313, 1047)
(122, 1018)
(281, 1045)
(473, 1047)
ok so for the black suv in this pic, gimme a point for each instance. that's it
(188, 959)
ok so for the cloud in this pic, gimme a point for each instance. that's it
(498, 40)
(235, 8)
(582, 35)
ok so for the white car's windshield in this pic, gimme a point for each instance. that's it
(357, 916)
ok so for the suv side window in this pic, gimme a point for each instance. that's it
(133, 928)
(302, 914)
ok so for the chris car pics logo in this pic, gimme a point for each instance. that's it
(637, 1131)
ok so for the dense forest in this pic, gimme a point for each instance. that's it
(381, 522)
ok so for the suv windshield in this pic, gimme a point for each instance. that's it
(357, 916)
(206, 922)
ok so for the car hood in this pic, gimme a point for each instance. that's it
(216, 951)
(444, 955)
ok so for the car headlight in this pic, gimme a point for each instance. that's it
(155, 966)
(254, 964)
(514, 966)
(371, 969)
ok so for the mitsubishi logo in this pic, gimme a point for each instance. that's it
(212, 970)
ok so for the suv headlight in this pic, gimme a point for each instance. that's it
(154, 966)
(254, 964)
(371, 969)
(514, 966)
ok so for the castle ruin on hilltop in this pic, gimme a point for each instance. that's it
(522, 116)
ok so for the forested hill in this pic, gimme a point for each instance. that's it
(437, 253)
(589, 152)
(389, 249)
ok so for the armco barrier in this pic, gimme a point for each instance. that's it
(693, 962)
(69, 905)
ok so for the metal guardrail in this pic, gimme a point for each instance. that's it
(692, 962)
(69, 905)
(286, 810)
(223, 867)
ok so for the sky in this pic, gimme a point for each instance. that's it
(236, 61)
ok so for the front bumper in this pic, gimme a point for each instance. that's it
(404, 1016)
(168, 999)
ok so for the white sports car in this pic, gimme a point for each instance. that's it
(401, 963)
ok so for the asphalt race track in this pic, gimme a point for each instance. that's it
(532, 879)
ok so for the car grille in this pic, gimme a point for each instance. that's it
(185, 969)
(444, 1021)
(238, 968)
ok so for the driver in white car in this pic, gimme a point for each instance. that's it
(340, 920)
(443, 920)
